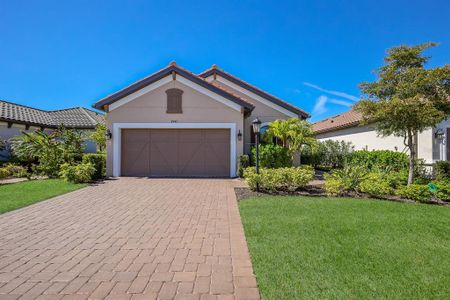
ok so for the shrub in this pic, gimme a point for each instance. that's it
(396, 179)
(16, 170)
(334, 186)
(331, 154)
(281, 179)
(418, 192)
(272, 156)
(99, 163)
(49, 150)
(443, 190)
(377, 185)
(442, 170)
(79, 173)
(343, 180)
(4, 173)
(382, 160)
(244, 162)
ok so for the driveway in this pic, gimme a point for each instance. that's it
(129, 238)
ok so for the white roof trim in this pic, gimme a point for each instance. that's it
(182, 80)
(255, 96)
(140, 92)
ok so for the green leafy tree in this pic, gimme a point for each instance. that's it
(407, 98)
(39, 147)
(99, 137)
(49, 150)
(293, 134)
(280, 130)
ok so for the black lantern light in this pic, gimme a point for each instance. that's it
(108, 134)
(256, 128)
(439, 134)
(239, 135)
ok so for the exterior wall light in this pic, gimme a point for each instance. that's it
(239, 135)
(108, 134)
(439, 134)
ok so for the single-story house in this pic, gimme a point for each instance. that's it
(431, 144)
(175, 123)
(16, 118)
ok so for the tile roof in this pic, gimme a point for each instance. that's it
(167, 71)
(77, 117)
(215, 70)
(347, 119)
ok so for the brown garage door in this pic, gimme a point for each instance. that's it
(176, 152)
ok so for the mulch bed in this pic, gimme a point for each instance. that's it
(243, 193)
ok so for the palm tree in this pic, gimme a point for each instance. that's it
(293, 134)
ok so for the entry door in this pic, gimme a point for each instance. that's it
(176, 152)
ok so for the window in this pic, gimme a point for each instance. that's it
(174, 105)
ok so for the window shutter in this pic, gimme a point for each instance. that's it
(174, 101)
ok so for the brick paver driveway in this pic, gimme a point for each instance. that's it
(129, 239)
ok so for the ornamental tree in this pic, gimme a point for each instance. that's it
(406, 98)
(293, 134)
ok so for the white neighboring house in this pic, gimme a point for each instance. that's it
(16, 118)
(431, 144)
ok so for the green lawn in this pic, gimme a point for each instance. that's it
(319, 248)
(17, 195)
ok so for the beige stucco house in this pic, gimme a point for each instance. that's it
(431, 144)
(175, 123)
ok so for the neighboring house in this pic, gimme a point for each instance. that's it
(431, 144)
(16, 118)
(174, 123)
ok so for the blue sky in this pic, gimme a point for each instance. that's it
(57, 54)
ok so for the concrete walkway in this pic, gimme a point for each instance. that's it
(129, 239)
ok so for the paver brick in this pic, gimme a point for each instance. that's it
(129, 239)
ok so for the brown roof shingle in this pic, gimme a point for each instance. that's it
(347, 119)
(77, 117)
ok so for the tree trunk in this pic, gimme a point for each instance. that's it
(412, 157)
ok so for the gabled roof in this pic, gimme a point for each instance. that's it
(347, 119)
(77, 117)
(167, 71)
(214, 70)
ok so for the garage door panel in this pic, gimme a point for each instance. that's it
(191, 158)
(218, 158)
(163, 157)
(176, 152)
(190, 136)
(135, 159)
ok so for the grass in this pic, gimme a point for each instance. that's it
(310, 248)
(21, 194)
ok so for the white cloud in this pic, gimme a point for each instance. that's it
(319, 107)
(335, 93)
(340, 102)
